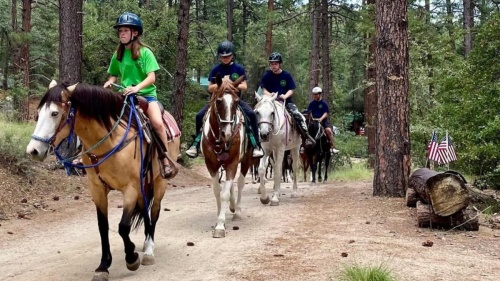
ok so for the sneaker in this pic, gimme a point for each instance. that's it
(257, 152)
(334, 151)
(192, 152)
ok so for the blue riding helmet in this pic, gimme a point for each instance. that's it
(128, 19)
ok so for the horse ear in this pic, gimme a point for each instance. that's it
(72, 88)
(52, 84)
(218, 79)
(258, 97)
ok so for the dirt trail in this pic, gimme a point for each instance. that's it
(302, 239)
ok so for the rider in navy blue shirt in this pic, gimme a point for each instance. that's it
(227, 67)
(280, 81)
(320, 111)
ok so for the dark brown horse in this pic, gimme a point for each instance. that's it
(224, 144)
(112, 149)
(319, 151)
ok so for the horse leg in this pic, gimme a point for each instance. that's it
(327, 163)
(220, 227)
(295, 167)
(278, 162)
(129, 207)
(100, 197)
(149, 246)
(264, 198)
(320, 162)
(241, 184)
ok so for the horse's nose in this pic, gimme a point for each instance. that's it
(264, 136)
(33, 152)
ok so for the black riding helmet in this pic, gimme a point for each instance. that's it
(129, 20)
(225, 48)
(275, 56)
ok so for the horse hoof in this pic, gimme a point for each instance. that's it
(219, 233)
(134, 266)
(275, 203)
(100, 276)
(265, 201)
(148, 260)
(232, 210)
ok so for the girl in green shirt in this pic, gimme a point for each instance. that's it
(135, 64)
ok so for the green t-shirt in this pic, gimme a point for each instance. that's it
(132, 72)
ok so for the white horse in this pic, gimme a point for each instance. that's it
(276, 135)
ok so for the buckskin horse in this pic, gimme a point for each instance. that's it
(112, 150)
(276, 135)
(319, 151)
(224, 144)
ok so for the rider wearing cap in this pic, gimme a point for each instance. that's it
(135, 64)
(277, 80)
(319, 110)
(227, 67)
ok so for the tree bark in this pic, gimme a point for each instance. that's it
(181, 62)
(230, 7)
(269, 32)
(464, 219)
(468, 26)
(370, 94)
(314, 55)
(392, 152)
(449, 23)
(445, 192)
(70, 40)
(325, 51)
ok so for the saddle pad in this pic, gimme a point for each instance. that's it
(171, 126)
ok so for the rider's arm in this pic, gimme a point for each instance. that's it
(149, 80)
(111, 80)
(288, 94)
(323, 117)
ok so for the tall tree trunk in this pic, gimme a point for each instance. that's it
(430, 67)
(230, 7)
(181, 62)
(70, 40)
(325, 50)
(24, 62)
(392, 153)
(449, 24)
(244, 11)
(370, 95)
(468, 26)
(314, 54)
(269, 32)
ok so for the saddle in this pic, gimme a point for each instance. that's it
(171, 126)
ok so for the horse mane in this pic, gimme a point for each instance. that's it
(98, 103)
(90, 101)
(226, 86)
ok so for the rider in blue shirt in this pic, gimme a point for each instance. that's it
(280, 81)
(319, 110)
(227, 67)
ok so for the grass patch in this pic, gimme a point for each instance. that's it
(14, 137)
(360, 273)
(355, 171)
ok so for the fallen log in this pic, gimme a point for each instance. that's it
(445, 192)
(411, 198)
(464, 219)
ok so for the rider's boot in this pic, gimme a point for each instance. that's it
(303, 129)
(257, 150)
(193, 150)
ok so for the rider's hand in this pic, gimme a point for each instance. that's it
(130, 90)
(107, 84)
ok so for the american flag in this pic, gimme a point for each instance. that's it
(432, 148)
(446, 151)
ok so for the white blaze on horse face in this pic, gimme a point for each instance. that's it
(49, 118)
(265, 119)
(227, 127)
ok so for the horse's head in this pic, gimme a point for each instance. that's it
(265, 110)
(314, 127)
(54, 114)
(224, 103)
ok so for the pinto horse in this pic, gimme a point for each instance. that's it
(276, 135)
(319, 151)
(112, 148)
(224, 144)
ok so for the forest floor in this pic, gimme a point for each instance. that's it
(48, 231)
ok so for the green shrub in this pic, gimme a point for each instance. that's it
(359, 273)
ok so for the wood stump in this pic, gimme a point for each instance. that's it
(464, 219)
